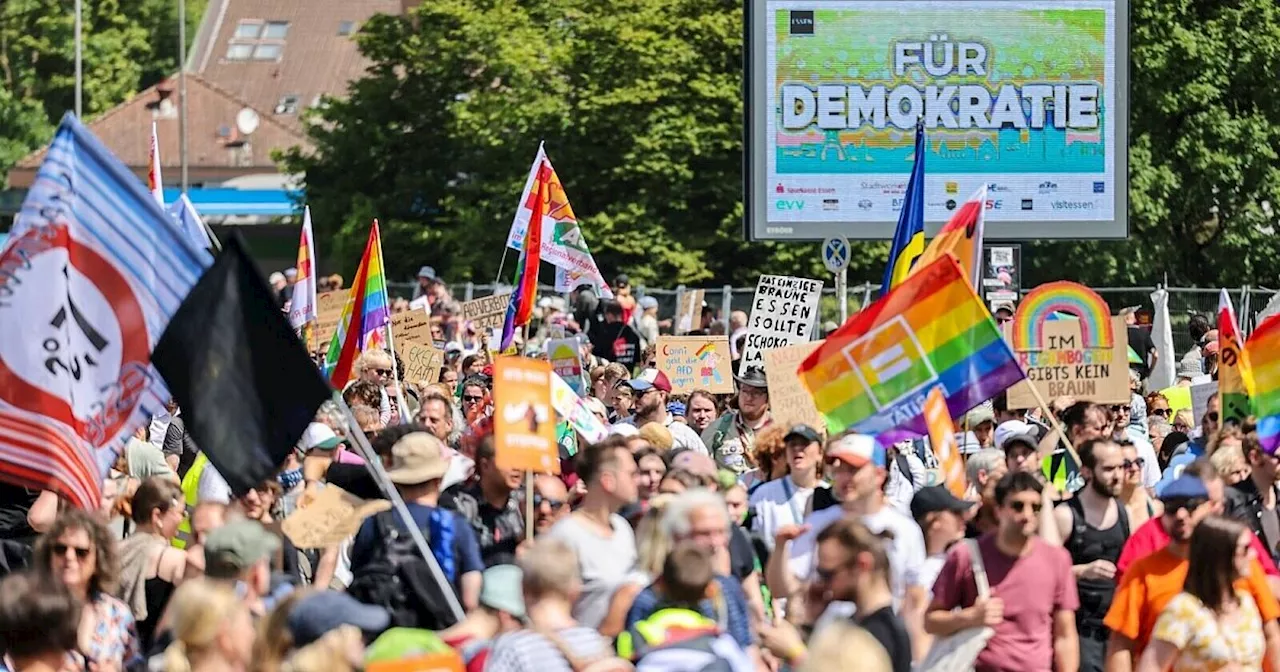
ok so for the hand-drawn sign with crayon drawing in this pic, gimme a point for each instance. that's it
(1069, 344)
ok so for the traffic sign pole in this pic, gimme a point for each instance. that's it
(835, 256)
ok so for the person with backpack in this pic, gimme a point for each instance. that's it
(677, 637)
(387, 569)
(1094, 526)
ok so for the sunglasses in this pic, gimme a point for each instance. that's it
(555, 504)
(1211, 416)
(60, 551)
(1135, 464)
(471, 399)
(1020, 507)
(1162, 412)
(1190, 504)
(382, 372)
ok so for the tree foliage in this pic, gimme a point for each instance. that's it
(640, 107)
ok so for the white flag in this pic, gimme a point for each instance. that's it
(302, 307)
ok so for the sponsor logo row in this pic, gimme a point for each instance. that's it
(866, 204)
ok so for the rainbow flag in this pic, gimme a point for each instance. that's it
(302, 307)
(520, 308)
(961, 238)
(1235, 375)
(875, 373)
(1263, 351)
(367, 311)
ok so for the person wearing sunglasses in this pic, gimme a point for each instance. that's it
(550, 502)
(1138, 503)
(78, 552)
(1254, 500)
(376, 366)
(1151, 582)
(1031, 581)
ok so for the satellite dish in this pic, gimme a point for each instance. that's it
(247, 121)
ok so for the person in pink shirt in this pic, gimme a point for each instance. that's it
(1154, 535)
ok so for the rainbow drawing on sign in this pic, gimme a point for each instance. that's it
(709, 363)
(1067, 297)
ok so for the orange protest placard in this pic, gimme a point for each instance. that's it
(942, 438)
(524, 425)
(449, 661)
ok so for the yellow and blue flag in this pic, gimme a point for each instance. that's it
(908, 240)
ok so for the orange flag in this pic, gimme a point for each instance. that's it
(961, 238)
(942, 437)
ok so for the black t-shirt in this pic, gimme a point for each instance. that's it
(1140, 341)
(15, 504)
(888, 629)
(742, 557)
(823, 498)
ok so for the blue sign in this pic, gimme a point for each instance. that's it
(835, 254)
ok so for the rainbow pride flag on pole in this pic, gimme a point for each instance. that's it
(875, 373)
(1263, 351)
(366, 312)
(1235, 375)
(520, 308)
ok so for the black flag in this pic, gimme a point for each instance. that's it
(244, 382)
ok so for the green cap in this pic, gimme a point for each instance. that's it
(231, 549)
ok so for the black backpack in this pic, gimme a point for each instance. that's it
(398, 579)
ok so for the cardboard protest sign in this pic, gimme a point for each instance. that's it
(783, 313)
(328, 312)
(789, 402)
(422, 363)
(1200, 394)
(696, 363)
(689, 312)
(330, 518)
(487, 312)
(524, 428)
(565, 355)
(1066, 340)
(571, 408)
(411, 325)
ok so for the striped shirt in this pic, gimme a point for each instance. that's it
(526, 651)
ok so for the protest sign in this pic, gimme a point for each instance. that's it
(1200, 394)
(573, 411)
(524, 429)
(689, 312)
(487, 312)
(1066, 340)
(782, 313)
(421, 362)
(328, 312)
(565, 355)
(328, 519)
(443, 661)
(789, 402)
(411, 325)
(696, 363)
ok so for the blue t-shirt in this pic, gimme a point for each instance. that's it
(1179, 462)
(466, 548)
(731, 615)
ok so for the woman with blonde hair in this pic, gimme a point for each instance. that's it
(212, 629)
(79, 552)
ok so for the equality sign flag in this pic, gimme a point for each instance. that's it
(874, 374)
(91, 274)
(563, 244)
(1235, 375)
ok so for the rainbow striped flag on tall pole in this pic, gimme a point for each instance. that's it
(1235, 375)
(1263, 350)
(520, 308)
(367, 311)
(874, 374)
(302, 307)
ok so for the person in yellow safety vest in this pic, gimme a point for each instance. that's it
(190, 497)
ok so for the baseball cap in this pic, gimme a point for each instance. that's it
(319, 436)
(417, 458)
(1015, 429)
(937, 498)
(317, 613)
(237, 546)
(1184, 487)
(648, 379)
(503, 589)
(803, 431)
(856, 450)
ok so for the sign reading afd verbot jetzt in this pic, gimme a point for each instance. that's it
(1027, 98)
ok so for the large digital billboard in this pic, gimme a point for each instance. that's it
(1029, 98)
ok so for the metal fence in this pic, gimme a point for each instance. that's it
(1183, 301)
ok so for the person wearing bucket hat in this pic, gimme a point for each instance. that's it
(732, 436)
(417, 465)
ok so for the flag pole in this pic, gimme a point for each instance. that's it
(374, 463)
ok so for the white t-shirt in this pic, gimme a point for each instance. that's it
(778, 503)
(900, 489)
(605, 563)
(683, 436)
(906, 551)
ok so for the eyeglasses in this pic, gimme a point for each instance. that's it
(1019, 507)
(1190, 504)
(382, 372)
(555, 504)
(60, 551)
(1162, 412)
(1134, 464)
(472, 399)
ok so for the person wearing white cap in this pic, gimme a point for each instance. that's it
(652, 389)
(858, 478)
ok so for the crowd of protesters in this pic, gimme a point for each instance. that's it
(699, 535)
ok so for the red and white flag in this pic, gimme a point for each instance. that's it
(154, 181)
(302, 307)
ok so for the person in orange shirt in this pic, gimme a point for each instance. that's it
(1150, 583)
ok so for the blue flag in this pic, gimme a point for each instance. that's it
(189, 222)
(89, 278)
(908, 239)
